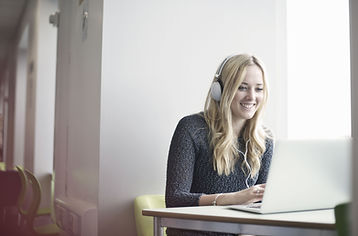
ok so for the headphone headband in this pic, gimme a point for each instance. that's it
(218, 86)
(221, 67)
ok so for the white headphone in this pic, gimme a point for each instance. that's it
(217, 86)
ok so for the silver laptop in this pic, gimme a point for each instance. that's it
(306, 175)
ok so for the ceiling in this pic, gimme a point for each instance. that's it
(10, 15)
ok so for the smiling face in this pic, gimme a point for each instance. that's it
(249, 95)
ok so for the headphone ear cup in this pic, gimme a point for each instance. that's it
(216, 91)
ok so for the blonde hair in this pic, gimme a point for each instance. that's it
(218, 116)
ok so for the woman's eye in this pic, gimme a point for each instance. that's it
(259, 89)
(242, 88)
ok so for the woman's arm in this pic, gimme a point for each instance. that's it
(180, 167)
(246, 196)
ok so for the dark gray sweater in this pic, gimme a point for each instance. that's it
(190, 171)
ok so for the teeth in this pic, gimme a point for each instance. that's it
(247, 105)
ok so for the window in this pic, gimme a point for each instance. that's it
(318, 68)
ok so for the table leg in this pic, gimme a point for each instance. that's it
(158, 229)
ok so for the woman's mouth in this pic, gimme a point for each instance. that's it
(248, 106)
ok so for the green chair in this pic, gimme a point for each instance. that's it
(21, 201)
(2, 166)
(33, 211)
(144, 224)
(342, 215)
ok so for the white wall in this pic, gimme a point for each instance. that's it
(31, 90)
(354, 88)
(77, 111)
(158, 60)
(35, 122)
(20, 99)
(5, 111)
(9, 85)
(9, 106)
(45, 95)
(45, 90)
(20, 106)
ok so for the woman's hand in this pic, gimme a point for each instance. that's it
(246, 196)
(250, 195)
(243, 197)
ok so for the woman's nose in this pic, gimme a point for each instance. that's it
(251, 94)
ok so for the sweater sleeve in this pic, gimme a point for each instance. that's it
(180, 168)
(265, 162)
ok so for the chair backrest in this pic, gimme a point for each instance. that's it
(52, 207)
(23, 180)
(35, 187)
(144, 224)
(2, 166)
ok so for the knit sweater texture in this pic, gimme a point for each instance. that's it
(190, 171)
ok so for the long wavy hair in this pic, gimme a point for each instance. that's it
(218, 116)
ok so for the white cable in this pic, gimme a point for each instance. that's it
(247, 164)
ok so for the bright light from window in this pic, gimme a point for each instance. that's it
(318, 69)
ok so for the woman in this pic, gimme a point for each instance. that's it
(222, 155)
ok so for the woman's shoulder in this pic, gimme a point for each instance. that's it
(193, 120)
(193, 123)
(269, 136)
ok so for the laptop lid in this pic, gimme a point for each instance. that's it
(307, 175)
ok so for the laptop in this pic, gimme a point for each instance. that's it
(306, 175)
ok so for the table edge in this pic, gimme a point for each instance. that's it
(228, 219)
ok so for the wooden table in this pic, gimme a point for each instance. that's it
(223, 219)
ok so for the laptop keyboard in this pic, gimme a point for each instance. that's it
(255, 205)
